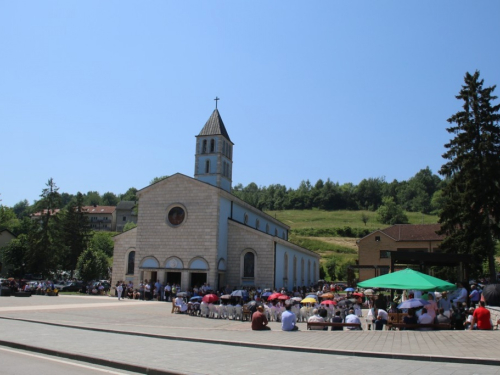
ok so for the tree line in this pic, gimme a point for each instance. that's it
(467, 199)
(56, 240)
(421, 193)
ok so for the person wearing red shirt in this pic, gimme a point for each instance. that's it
(481, 317)
(259, 320)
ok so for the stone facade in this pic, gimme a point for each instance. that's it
(191, 231)
(124, 244)
(242, 239)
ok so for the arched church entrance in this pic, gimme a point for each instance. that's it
(147, 269)
(198, 279)
(174, 267)
(198, 268)
(173, 277)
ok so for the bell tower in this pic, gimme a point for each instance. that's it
(214, 153)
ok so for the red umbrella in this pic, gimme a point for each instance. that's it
(358, 295)
(274, 296)
(329, 302)
(283, 297)
(210, 298)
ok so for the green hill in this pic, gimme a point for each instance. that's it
(333, 234)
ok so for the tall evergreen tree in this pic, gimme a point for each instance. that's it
(76, 233)
(46, 243)
(471, 214)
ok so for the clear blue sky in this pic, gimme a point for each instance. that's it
(106, 95)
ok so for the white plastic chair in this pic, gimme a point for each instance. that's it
(204, 310)
(229, 311)
(212, 310)
(238, 313)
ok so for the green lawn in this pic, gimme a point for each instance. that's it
(319, 219)
(315, 218)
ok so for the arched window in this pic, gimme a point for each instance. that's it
(207, 166)
(249, 265)
(276, 232)
(131, 263)
(308, 272)
(267, 228)
(257, 223)
(223, 147)
(285, 266)
(302, 271)
(283, 235)
(204, 148)
(212, 145)
(245, 219)
(294, 271)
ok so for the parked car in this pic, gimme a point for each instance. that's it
(72, 286)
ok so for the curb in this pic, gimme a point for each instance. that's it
(413, 357)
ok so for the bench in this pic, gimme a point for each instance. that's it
(403, 326)
(329, 324)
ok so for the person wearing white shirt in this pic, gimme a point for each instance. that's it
(315, 318)
(425, 318)
(373, 314)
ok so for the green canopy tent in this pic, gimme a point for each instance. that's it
(407, 279)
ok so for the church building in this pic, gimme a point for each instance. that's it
(192, 231)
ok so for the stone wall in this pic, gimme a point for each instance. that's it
(196, 237)
(242, 238)
(123, 243)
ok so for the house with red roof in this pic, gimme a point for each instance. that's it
(401, 240)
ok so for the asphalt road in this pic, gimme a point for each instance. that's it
(21, 362)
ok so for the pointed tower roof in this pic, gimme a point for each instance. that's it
(215, 126)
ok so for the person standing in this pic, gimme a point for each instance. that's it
(119, 290)
(474, 296)
(432, 306)
(445, 304)
(461, 293)
(168, 288)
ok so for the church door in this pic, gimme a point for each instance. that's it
(198, 278)
(174, 278)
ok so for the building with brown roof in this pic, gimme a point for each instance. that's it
(402, 241)
(100, 217)
(103, 218)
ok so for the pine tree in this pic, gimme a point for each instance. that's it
(76, 233)
(471, 215)
(46, 243)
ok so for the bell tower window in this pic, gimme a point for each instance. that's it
(207, 166)
(212, 145)
(204, 147)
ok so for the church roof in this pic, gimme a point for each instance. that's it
(214, 126)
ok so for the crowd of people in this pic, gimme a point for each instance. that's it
(460, 309)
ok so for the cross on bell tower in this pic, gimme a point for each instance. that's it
(214, 153)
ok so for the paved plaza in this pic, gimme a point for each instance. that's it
(140, 335)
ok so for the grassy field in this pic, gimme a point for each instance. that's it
(298, 219)
(341, 248)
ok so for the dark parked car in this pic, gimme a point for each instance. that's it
(72, 286)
